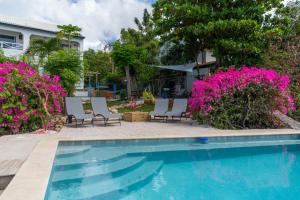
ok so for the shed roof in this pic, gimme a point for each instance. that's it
(185, 67)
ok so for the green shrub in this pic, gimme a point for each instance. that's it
(66, 64)
(28, 100)
(249, 108)
(239, 99)
(4, 58)
(148, 96)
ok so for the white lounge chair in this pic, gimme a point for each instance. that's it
(160, 109)
(100, 109)
(75, 110)
(178, 110)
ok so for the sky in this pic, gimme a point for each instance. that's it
(100, 20)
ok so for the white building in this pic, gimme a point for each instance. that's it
(16, 34)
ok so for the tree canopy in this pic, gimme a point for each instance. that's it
(232, 29)
(69, 31)
(97, 61)
(136, 50)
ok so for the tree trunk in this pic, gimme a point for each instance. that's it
(128, 78)
(69, 41)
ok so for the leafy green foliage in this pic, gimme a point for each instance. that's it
(69, 79)
(137, 49)
(99, 61)
(175, 53)
(248, 108)
(283, 53)
(4, 58)
(148, 97)
(28, 100)
(43, 48)
(69, 31)
(232, 29)
(143, 108)
(114, 76)
(66, 64)
(239, 99)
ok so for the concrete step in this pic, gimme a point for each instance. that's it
(104, 189)
(97, 171)
(87, 159)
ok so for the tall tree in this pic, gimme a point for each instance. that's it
(233, 29)
(43, 48)
(69, 31)
(283, 52)
(136, 51)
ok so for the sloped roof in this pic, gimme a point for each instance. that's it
(185, 68)
(29, 24)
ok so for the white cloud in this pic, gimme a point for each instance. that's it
(100, 20)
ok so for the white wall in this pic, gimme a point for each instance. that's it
(209, 56)
(191, 77)
(27, 33)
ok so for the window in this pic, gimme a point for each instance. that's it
(7, 38)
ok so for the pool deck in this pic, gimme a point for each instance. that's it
(17, 148)
(31, 180)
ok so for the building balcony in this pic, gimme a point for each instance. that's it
(11, 45)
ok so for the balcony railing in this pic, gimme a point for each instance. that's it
(11, 45)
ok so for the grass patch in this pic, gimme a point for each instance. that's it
(88, 106)
(115, 103)
(143, 108)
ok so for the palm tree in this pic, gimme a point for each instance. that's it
(42, 48)
(69, 31)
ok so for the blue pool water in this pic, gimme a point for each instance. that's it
(184, 169)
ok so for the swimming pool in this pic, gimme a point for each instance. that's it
(261, 167)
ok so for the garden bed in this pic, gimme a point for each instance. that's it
(136, 116)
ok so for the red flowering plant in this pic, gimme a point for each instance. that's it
(27, 99)
(245, 98)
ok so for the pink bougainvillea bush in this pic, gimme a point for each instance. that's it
(244, 98)
(27, 99)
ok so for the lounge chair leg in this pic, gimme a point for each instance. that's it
(92, 122)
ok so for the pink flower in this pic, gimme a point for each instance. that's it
(56, 78)
(214, 87)
(24, 83)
